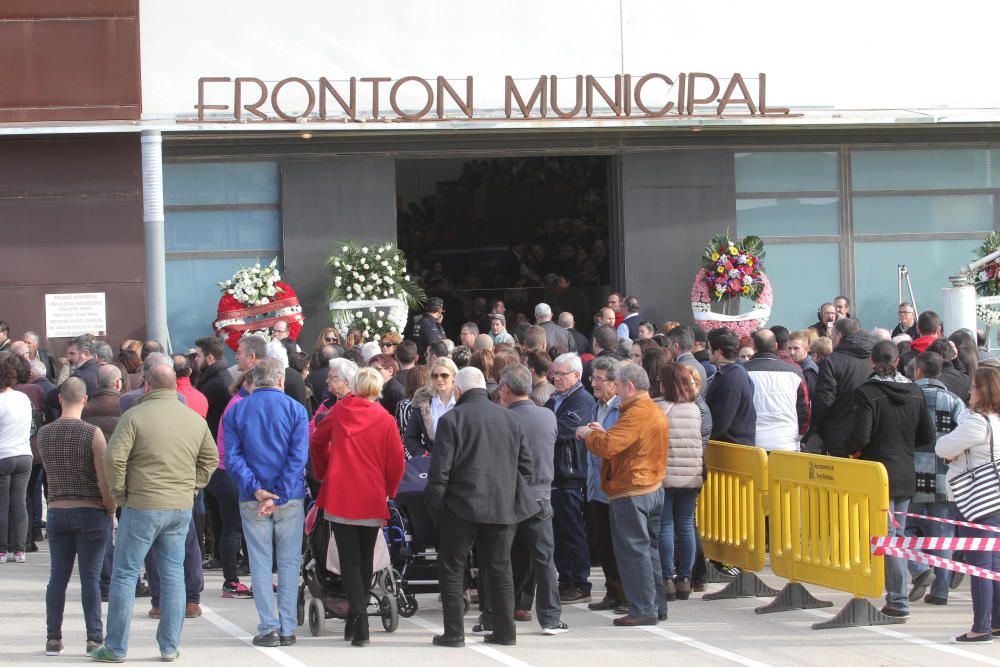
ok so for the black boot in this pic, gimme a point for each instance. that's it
(350, 624)
(360, 631)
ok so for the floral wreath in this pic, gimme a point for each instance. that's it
(987, 282)
(252, 301)
(730, 270)
(372, 289)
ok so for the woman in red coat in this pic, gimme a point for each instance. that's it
(357, 453)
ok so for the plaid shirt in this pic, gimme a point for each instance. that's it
(946, 409)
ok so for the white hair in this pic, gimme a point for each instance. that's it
(573, 360)
(369, 350)
(879, 334)
(543, 311)
(900, 338)
(343, 368)
(276, 350)
(449, 344)
(470, 378)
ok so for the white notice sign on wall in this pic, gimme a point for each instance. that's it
(69, 315)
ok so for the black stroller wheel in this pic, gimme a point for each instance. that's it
(407, 603)
(317, 617)
(389, 612)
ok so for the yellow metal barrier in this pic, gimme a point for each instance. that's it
(824, 512)
(730, 514)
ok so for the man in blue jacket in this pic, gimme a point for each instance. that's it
(730, 392)
(606, 413)
(267, 446)
(573, 407)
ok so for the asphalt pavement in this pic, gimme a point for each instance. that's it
(721, 632)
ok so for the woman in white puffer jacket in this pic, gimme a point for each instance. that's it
(683, 480)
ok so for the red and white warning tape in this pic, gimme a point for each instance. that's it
(903, 547)
(935, 561)
(953, 522)
(936, 543)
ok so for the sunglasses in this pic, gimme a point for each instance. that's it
(388, 343)
(330, 339)
(440, 376)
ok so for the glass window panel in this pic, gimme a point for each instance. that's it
(787, 171)
(188, 231)
(923, 214)
(787, 217)
(929, 262)
(220, 183)
(193, 296)
(800, 274)
(923, 169)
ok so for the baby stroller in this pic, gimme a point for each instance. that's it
(412, 537)
(328, 597)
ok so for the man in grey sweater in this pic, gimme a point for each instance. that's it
(533, 553)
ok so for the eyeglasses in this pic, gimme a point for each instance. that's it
(440, 376)
(330, 339)
(388, 343)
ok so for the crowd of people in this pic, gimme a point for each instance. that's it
(546, 445)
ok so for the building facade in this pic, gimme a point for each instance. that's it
(459, 131)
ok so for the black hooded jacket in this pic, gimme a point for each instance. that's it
(833, 400)
(891, 421)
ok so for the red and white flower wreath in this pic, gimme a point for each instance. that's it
(253, 301)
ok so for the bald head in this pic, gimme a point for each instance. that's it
(20, 348)
(108, 376)
(764, 341)
(483, 342)
(72, 392)
(161, 377)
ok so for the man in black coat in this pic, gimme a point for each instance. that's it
(730, 395)
(213, 379)
(839, 375)
(573, 407)
(477, 485)
(891, 421)
(428, 329)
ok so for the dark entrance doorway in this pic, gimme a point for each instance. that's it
(519, 229)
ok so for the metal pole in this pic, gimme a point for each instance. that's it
(152, 217)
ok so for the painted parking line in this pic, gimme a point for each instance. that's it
(239, 633)
(488, 651)
(919, 641)
(682, 639)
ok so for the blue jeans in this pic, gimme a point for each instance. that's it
(942, 510)
(284, 530)
(677, 521)
(985, 593)
(138, 532)
(635, 527)
(78, 533)
(896, 583)
(194, 575)
(572, 553)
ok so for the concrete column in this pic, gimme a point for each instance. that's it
(155, 243)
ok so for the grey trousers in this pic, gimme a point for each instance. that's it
(635, 530)
(14, 474)
(535, 544)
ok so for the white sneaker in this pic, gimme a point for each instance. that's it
(3, 556)
(556, 630)
(19, 557)
(10, 557)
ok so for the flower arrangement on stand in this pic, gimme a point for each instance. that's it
(987, 282)
(731, 269)
(253, 300)
(372, 289)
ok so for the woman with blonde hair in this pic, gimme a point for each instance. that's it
(357, 453)
(427, 406)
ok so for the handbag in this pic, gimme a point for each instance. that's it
(977, 491)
